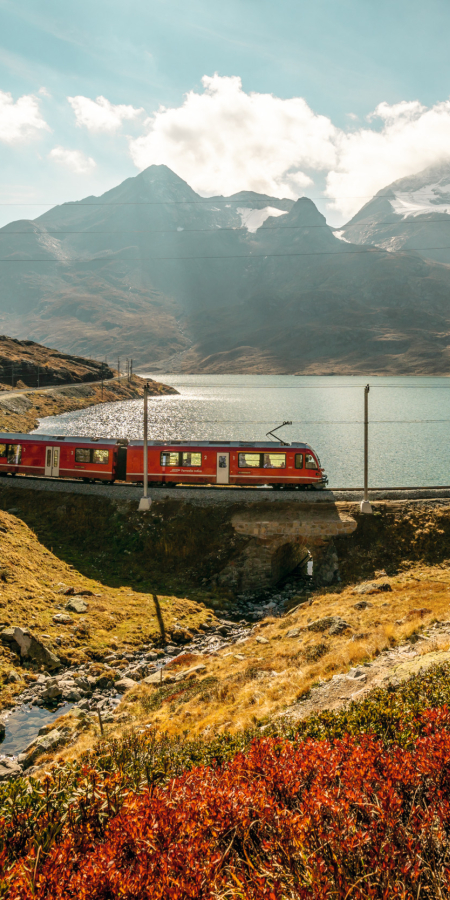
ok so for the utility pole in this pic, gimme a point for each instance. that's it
(118, 366)
(102, 379)
(145, 501)
(131, 369)
(365, 505)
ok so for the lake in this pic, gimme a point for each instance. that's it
(409, 433)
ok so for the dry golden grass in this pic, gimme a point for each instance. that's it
(117, 618)
(271, 676)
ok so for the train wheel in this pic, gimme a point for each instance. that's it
(277, 487)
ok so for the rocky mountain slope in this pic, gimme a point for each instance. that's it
(229, 284)
(27, 364)
(410, 214)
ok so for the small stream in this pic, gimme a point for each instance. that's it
(23, 724)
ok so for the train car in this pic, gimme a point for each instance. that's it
(62, 456)
(282, 466)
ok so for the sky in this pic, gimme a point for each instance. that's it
(333, 99)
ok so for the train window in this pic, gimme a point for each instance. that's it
(191, 459)
(249, 460)
(100, 456)
(14, 454)
(169, 458)
(274, 460)
(310, 462)
(2, 449)
(299, 460)
(83, 455)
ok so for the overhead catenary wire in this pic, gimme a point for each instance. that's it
(306, 387)
(125, 259)
(219, 229)
(319, 422)
(229, 200)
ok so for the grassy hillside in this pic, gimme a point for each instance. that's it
(118, 617)
(360, 812)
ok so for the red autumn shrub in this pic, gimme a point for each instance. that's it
(302, 819)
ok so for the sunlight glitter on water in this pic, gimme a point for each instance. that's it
(409, 420)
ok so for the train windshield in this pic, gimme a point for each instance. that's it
(310, 462)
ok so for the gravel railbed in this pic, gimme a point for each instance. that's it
(208, 496)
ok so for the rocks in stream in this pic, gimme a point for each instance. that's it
(41, 744)
(27, 646)
(122, 671)
(125, 684)
(9, 769)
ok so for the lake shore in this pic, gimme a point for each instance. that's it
(21, 411)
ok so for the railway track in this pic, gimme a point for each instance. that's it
(204, 495)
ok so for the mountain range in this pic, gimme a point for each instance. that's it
(247, 283)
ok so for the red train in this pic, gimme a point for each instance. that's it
(283, 466)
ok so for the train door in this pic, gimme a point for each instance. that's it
(223, 468)
(121, 467)
(52, 461)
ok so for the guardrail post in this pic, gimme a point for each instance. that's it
(365, 504)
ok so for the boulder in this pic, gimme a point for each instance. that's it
(373, 587)
(62, 619)
(70, 691)
(332, 624)
(124, 685)
(105, 681)
(261, 640)
(293, 632)
(338, 626)
(9, 769)
(40, 745)
(181, 635)
(27, 646)
(158, 678)
(52, 691)
(321, 624)
(77, 605)
(362, 604)
(2, 731)
(191, 673)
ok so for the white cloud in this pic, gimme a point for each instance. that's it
(224, 140)
(412, 137)
(75, 160)
(21, 119)
(100, 114)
